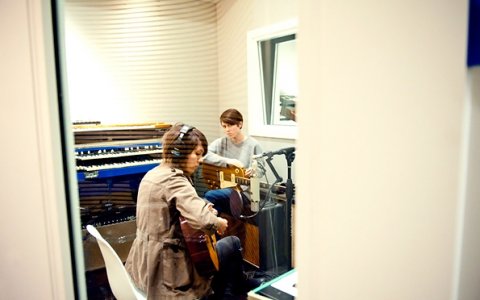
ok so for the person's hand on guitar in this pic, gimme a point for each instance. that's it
(249, 172)
(213, 210)
(235, 162)
(222, 225)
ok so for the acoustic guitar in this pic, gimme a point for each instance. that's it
(230, 177)
(201, 247)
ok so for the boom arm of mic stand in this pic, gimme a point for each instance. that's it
(275, 173)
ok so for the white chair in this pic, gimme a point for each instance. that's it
(121, 284)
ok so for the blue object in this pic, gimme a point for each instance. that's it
(473, 46)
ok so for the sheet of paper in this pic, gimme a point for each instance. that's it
(287, 284)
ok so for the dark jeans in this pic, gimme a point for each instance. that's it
(225, 202)
(220, 199)
(229, 282)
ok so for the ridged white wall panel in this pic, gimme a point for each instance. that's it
(143, 60)
(235, 19)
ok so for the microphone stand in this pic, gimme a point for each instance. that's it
(272, 168)
(289, 192)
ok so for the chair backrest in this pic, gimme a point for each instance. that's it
(120, 282)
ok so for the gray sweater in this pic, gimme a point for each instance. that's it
(222, 149)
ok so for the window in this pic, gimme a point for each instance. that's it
(272, 78)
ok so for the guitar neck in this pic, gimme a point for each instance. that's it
(278, 189)
(242, 180)
(213, 179)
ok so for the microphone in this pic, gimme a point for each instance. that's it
(285, 151)
(254, 187)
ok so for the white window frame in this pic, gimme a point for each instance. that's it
(256, 109)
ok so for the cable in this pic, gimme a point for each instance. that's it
(262, 205)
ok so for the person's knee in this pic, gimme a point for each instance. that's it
(228, 245)
(235, 241)
(234, 244)
(209, 195)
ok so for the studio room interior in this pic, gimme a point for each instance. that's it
(368, 193)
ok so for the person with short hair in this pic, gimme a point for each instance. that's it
(236, 149)
(159, 261)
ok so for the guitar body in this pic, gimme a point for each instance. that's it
(247, 230)
(201, 247)
(211, 174)
(232, 177)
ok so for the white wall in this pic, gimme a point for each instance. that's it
(380, 149)
(165, 61)
(142, 61)
(383, 101)
(235, 19)
(34, 257)
(470, 252)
